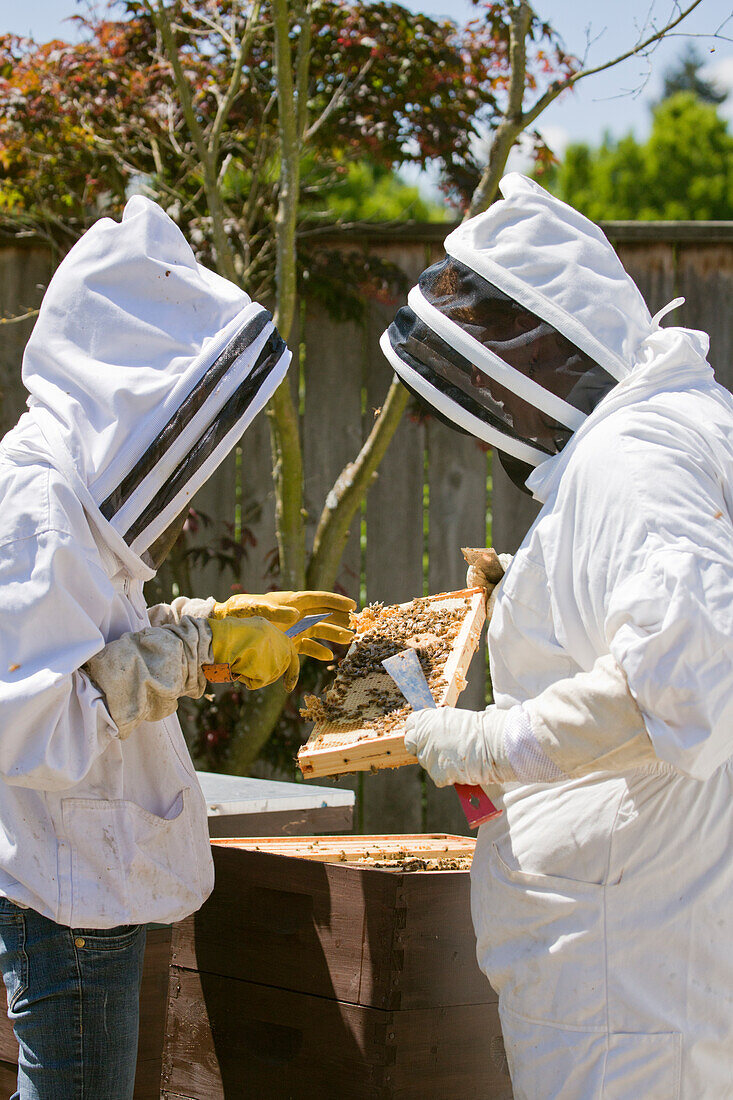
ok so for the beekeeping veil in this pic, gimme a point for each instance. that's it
(518, 334)
(144, 369)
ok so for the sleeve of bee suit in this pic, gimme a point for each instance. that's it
(166, 614)
(644, 569)
(586, 723)
(143, 674)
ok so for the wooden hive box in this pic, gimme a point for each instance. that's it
(302, 978)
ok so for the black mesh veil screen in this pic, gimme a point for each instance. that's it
(517, 336)
(454, 376)
(510, 332)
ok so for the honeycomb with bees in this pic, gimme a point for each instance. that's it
(359, 720)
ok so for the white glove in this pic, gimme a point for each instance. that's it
(587, 723)
(460, 746)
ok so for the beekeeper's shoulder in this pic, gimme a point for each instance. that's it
(36, 500)
(640, 456)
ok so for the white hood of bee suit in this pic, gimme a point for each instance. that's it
(562, 267)
(144, 369)
(558, 264)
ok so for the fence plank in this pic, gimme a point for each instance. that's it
(332, 424)
(332, 436)
(24, 274)
(652, 267)
(705, 278)
(392, 800)
(512, 511)
(456, 517)
(216, 501)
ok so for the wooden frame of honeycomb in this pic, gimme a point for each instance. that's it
(411, 852)
(360, 718)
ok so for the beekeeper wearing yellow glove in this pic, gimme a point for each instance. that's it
(144, 674)
(602, 896)
(143, 369)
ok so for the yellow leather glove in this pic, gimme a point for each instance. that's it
(256, 652)
(284, 609)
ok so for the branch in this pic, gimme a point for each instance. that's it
(302, 67)
(217, 27)
(521, 22)
(342, 91)
(235, 81)
(261, 153)
(287, 458)
(19, 317)
(287, 207)
(159, 16)
(515, 122)
(556, 89)
(512, 123)
(344, 500)
(224, 253)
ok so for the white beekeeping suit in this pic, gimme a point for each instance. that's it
(603, 895)
(144, 369)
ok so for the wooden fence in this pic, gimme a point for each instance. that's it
(434, 491)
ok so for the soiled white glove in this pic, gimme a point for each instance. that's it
(460, 746)
(167, 614)
(143, 674)
(485, 569)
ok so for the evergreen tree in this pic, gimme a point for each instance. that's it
(685, 77)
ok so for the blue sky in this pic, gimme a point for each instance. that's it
(616, 101)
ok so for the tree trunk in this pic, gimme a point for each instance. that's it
(287, 458)
(262, 711)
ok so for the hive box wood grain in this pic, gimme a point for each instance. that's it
(303, 978)
(334, 747)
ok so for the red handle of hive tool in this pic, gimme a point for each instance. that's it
(476, 804)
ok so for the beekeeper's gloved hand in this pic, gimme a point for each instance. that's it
(144, 673)
(485, 570)
(460, 746)
(586, 723)
(256, 652)
(284, 609)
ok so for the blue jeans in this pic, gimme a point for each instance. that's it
(73, 996)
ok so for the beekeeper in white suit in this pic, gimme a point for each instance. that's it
(144, 369)
(603, 895)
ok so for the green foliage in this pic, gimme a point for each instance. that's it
(369, 192)
(81, 124)
(684, 171)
